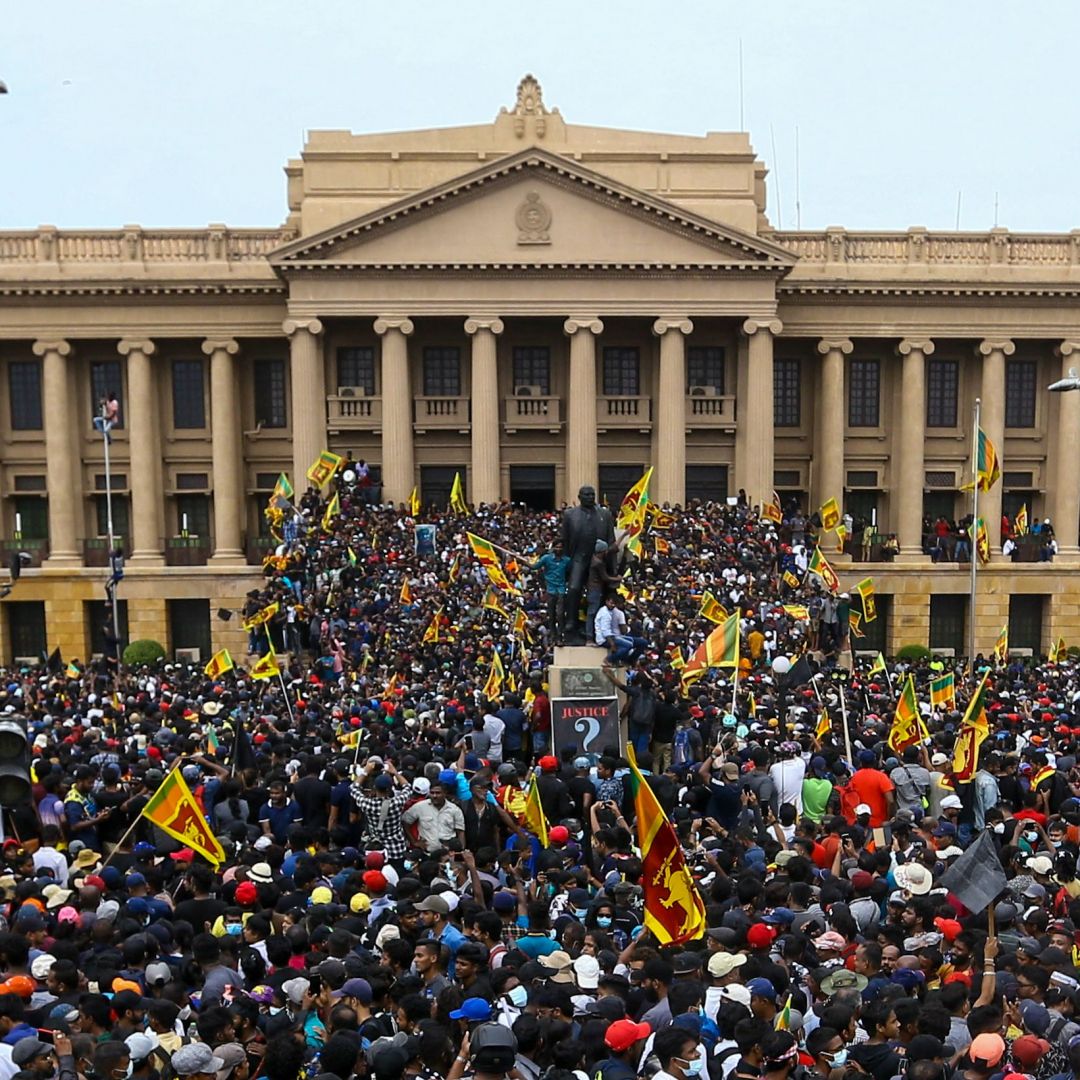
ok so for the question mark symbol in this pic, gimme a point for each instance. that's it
(590, 724)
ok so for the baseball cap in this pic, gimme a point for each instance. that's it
(196, 1058)
(721, 964)
(28, 1048)
(474, 1009)
(761, 988)
(863, 808)
(988, 1048)
(621, 1035)
(1028, 1050)
(558, 834)
(357, 988)
(433, 903)
(760, 936)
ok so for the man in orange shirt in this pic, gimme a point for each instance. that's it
(874, 788)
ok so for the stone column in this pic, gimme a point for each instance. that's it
(581, 452)
(227, 455)
(671, 410)
(62, 462)
(829, 424)
(1066, 499)
(398, 464)
(909, 478)
(143, 420)
(992, 421)
(308, 396)
(485, 408)
(756, 413)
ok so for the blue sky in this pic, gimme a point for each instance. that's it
(179, 115)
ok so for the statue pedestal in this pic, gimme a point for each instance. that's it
(584, 705)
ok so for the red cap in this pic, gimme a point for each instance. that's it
(760, 936)
(375, 881)
(374, 860)
(861, 880)
(22, 985)
(94, 880)
(558, 834)
(246, 893)
(183, 855)
(621, 1035)
(549, 763)
(949, 927)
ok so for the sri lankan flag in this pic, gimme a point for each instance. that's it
(797, 611)
(414, 503)
(943, 690)
(457, 497)
(266, 667)
(431, 634)
(1001, 646)
(405, 596)
(324, 467)
(1020, 522)
(820, 565)
(712, 609)
(783, 1017)
(842, 534)
(907, 726)
(790, 579)
(674, 911)
(824, 725)
(486, 556)
(521, 626)
(1057, 651)
(770, 510)
(865, 589)
(675, 657)
(878, 665)
(333, 510)
(982, 542)
(973, 731)
(855, 624)
(219, 663)
(987, 469)
(494, 684)
(455, 569)
(72, 671)
(173, 809)
(632, 510)
(282, 494)
(660, 545)
(719, 649)
(492, 602)
(533, 813)
(830, 515)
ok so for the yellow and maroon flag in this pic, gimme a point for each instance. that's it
(266, 667)
(1058, 651)
(457, 496)
(770, 510)
(712, 609)
(987, 469)
(660, 545)
(973, 732)
(1020, 522)
(865, 589)
(790, 579)
(533, 813)
(493, 686)
(324, 467)
(1001, 646)
(674, 911)
(431, 634)
(405, 596)
(943, 690)
(492, 602)
(855, 624)
(414, 503)
(632, 511)
(675, 657)
(824, 725)
(719, 649)
(982, 542)
(485, 554)
(218, 664)
(830, 515)
(521, 626)
(173, 809)
(907, 726)
(820, 565)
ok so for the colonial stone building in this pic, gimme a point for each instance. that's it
(535, 304)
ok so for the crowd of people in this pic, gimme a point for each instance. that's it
(385, 906)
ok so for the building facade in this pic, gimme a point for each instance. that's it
(536, 305)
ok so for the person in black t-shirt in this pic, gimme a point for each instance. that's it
(313, 796)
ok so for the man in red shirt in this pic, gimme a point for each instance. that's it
(874, 788)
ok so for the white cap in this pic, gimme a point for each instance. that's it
(421, 785)
(862, 808)
(952, 802)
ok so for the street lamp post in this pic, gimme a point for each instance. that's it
(116, 563)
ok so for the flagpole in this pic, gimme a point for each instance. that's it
(139, 817)
(975, 527)
(843, 713)
(285, 693)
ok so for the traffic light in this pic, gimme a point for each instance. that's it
(14, 761)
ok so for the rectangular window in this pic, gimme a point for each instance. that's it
(942, 380)
(30, 483)
(189, 626)
(1020, 393)
(193, 516)
(442, 371)
(192, 481)
(877, 632)
(270, 394)
(705, 367)
(622, 371)
(532, 367)
(616, 481)
(863, 393)
(947, 617)
(709, 483)
(32, 517)
(105, 381)
(356, 368)
(787, 393)
(1025, 623)
(121, 516)
(436, 482)
(97, 614)
(24, 391)
(26, 628)
(189, 402)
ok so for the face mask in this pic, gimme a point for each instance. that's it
(579, 835)
(518, 997)
(1031, 837)
(581, 912)
(692, 1068)
(185, 1013)
(275, 1009)
(839, 1059)
(234, 928)
(1055, 843)
(408, 864)
(603, 920)
(130, 1068)
(999, 828)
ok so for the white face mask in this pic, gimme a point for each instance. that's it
(999, 828)
(518, 997)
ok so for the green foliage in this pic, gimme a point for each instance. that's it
(913, 652)
(142, 652)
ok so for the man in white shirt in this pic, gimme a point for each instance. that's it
(494, 728)
(48, 858)
(612, 632)
(438, 821)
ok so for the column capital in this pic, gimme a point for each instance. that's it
(484, 322)
(312, 326)
(139, 345)
(910, 345)
(394, 322)
(985, 348)
(60, 346)
(755, 325)
(1067, 348)
(672, 322)
(227, 345)
(841, 345)
(583, 322)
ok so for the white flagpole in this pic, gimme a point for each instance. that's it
(975, 529)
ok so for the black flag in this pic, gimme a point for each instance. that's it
(976, 878)
(243, 755)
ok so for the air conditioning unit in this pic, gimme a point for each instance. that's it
(950, 653)
(27, 661)
(703, 391)
(528, 391)
(350, 391)
(188, 656)
(1024, 654)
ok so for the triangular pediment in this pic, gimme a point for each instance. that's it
(532, 210)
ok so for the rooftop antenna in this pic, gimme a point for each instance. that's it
(742, 125)
(776, 173)
(995, 209)
(959, 198)
(798, 203)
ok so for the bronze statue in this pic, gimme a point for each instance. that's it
(583, 525)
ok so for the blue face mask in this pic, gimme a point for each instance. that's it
(839, 1059)
(603, 920)
(581, 912)
(518, 997)
(693, 1068)
(233, 928)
